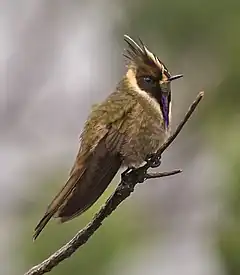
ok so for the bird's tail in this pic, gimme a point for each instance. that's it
(58, 201)
(86, 183)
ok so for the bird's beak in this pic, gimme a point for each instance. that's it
(174, 77)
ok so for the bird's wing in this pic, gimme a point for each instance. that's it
(101, 167)
(90, 176)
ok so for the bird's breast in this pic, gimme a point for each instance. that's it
(144, 135)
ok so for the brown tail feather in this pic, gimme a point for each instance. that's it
(42, 224)
(59, 199)
(84, 187)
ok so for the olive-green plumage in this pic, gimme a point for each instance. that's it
(130, 124)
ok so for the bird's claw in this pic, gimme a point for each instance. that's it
(153, 160)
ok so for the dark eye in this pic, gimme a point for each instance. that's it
(148, 80)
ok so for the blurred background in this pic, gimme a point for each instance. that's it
(58, 58)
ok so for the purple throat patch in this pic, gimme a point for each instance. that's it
(165, 109)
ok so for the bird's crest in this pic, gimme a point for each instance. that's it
(141, 57)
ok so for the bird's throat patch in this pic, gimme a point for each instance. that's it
(165, 109)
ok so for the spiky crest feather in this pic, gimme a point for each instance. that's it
(141, 57)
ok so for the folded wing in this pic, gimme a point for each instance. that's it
(88, 180)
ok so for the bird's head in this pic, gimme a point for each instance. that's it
(147, 74)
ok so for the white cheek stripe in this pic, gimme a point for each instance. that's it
(170, 113)
(145, 96)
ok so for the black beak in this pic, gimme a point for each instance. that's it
(174, 77)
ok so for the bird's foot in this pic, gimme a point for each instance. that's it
(153, 160)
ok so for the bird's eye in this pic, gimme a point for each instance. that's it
(148, 79)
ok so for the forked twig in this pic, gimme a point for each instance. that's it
(129, 180)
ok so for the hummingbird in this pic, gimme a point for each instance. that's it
(131, 124)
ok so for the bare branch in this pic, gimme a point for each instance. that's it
(162, 174)
(130, 178)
